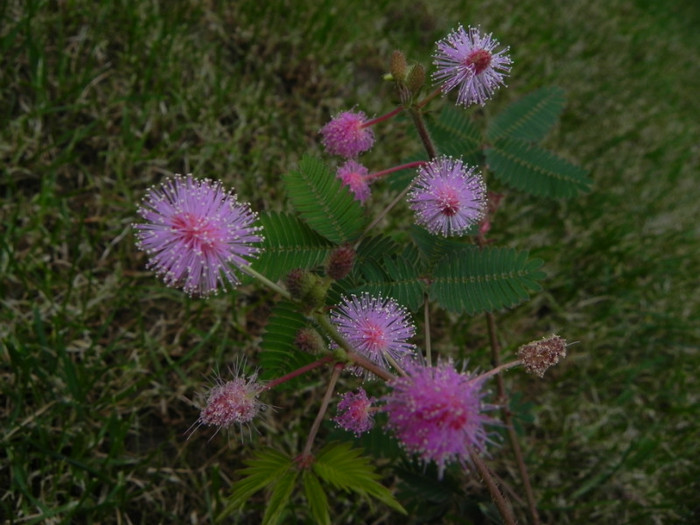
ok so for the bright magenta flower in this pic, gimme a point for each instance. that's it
(465, 59)
(448, 197)
(438, 413)
(347, 134)
(354, 176)
(377, 328)
(196, 233)
(354, 413)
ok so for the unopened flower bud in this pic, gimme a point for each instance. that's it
(416, 79)
(340, 262)
(398, 65)
(307, 288)
(310, 341)
(538, 356)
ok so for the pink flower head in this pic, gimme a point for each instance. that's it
(466, 59)
(377, 328)
(232, 403)
(448, 197)
(354, 412)
(354, 175)
(196, 233)
(437, 413)
(347, 134)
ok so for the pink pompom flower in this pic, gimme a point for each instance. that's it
(448, 197)
(196, 234)
(355, 176)
(376, 327)
(232, 403)
(438, 413)
(347, 134)
(466, 59)
(354, 414)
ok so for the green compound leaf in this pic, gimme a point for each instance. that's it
(456, 135)
(533, 170)
(281, 491)
(315, 495)
(397, 277)
(279, 355)
(530, 118)
(265, 469)
(324, 202)
(345, 468)
(474, 280)
(432, 248)
(289, 243)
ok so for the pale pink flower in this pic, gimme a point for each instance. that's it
(232, 403)
(196, 233)
(376, 327)
(448, 197)
(466, 59)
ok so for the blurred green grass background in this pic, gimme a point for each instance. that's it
(101, 365)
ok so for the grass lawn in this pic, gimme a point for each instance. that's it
(102, 366)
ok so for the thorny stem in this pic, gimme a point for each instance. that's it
(508, 420)
(291, 375)
(322, 410)
(498, 499)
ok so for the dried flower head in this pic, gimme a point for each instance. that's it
(466, 59)
(232, 402)
(538, 356)
(438, 413)
(347, 134)
(448, 197)
(354, 176)
(354, 413)
(376, 327)
(196, 233)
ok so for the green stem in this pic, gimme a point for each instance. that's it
(267, 282)
(322, 410)
(508, 419)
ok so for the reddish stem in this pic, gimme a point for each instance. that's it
(377, 120)
(407, 166)
(299, 371)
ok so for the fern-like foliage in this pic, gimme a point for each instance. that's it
(345, 468)
(324, 203)
(279, 354)
(534, 170)
(394, 276)
(316, 496)
(432, 248)
(474, 280)
(289, 243)
(265, 469)
(530, 118)
(456, 135)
